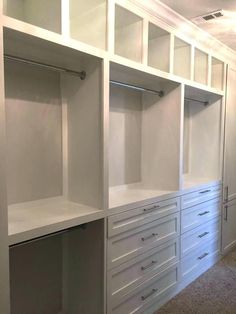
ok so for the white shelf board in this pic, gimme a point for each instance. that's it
(34, 219)
(132, 193)
(190, 182)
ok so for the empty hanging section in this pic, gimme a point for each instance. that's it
(202, 137)
(144, 136)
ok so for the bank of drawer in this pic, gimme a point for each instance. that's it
(195, 216)
(136, 217)
(200, 196)
(127, 276)
(200, 236)
(149, 292)
(193, 262)
(127, 245)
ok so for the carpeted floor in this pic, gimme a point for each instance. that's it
(212, 293)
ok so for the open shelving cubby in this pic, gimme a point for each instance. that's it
(202, 137)
(217, 73)
(53, 127)
(144, 137)
(88, 22)
(59, 272)
(200, 66)
(128, 34)
(158, 48)
(45, 14)
(182, 58)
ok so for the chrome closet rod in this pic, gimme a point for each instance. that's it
(81, 74)
(205, 103)
(143, 89)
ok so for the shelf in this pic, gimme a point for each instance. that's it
(38, 218)
(128, 34)
(217, 74)
(197, 182)
(132, 193)
(202, 136)
(158, 48)
(182, 58)
(45, 14)
(88, 22)
(200, 67)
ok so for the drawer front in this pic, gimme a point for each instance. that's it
(129, 275)
(123, 247)
(195, 216)
(200, 236)
(136, 217)
(149, 292)
(192, 263)
(200, 196)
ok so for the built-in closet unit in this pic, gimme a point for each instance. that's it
(112, 157)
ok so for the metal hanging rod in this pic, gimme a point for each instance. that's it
(205, 103)
(81, 74)
(159, 93)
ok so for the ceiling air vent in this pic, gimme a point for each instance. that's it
(208, 17)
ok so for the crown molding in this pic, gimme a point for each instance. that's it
(185, 29)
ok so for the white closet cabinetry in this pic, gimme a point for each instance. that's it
(228, 231)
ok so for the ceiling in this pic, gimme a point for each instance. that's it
(223, 28)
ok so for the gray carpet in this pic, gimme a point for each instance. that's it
(212, 293)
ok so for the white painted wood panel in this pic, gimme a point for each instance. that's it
(132, 243)
(127, 276)
(228, 226)
(195, 216)
(137, 217)
(200, 196)
(147, 293)
(191, 240)
(229, 178)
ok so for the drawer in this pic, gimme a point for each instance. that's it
(144, 295)
(192, 263)
(195, 216)
(127, 245)
(200, 196)
(198, 237)
(126, 277)
(136, 217)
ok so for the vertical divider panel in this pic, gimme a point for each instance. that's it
(181, 151)
(209, 71)
(65, 18)
(192, 62)
(111, 26)
(4, 259)
(172, 44)
(64, 141)
(145, 42)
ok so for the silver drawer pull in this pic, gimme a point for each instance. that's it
(144, 297)
(203, 234)
(205, 191)
(203, 255)
(149, 237)
(151, 208)
(204, 213)
(149, 265)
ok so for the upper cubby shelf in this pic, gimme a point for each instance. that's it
(200, 67)
(182, 58)
(217, 74)
(43, 13)
(158, 48)
(128, 34)
(88, 22)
